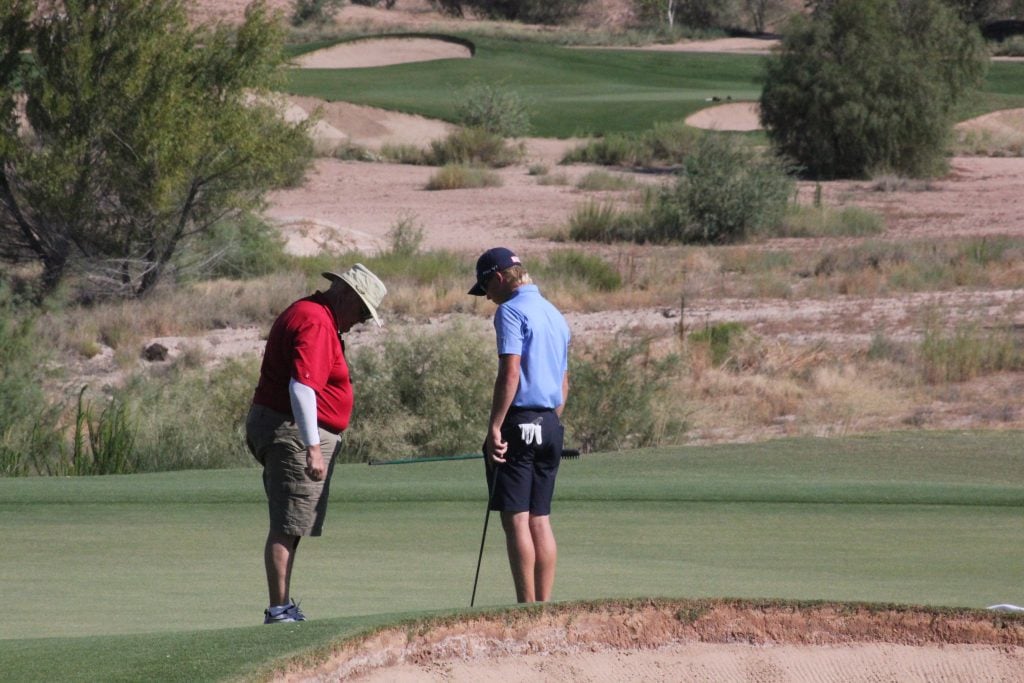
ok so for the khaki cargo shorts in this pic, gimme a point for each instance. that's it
(297, 504)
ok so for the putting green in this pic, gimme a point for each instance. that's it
(928, 519)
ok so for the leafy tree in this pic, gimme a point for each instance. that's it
(870, 85)
(139, 134)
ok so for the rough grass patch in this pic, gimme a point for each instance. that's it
(814, 221)
(461, 177)
(577, 266)
(475, 146)
(553, 179)
(968, 352)
(398, 153)
(718, 339)
(601, 222)
(603, 181)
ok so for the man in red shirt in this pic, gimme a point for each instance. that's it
(301, 406)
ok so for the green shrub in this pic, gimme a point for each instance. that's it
(103, 443)
(866, 86)
(462, 176)
(314, 11)
(670, 142)
(495, 109)
(666, 143)
(351, 151)
(718, 339)
(616, 395)
(405, 237)
(29, 424)
(405, 154)
(602, 222)
(190, 417)
(726, 192)
(421, 395)
(968, 352)
(576, 266)
(614, 149)
(243, 248)
(474, 146)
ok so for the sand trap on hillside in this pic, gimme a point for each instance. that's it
(372, 127)
(740, 116)
(753, 46)
(382, 52)
(743, 116)
(1004, 122)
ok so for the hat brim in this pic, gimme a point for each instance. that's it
(370, 307)
(477, 290)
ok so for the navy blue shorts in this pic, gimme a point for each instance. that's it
(526, 481)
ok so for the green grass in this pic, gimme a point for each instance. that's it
(569, 91)
(1003, 89)
(574, 92)
(159, 576)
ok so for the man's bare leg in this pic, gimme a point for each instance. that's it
(521, 557)
(279, 558)
(545, 556)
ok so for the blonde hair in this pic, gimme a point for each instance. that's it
(517, 275)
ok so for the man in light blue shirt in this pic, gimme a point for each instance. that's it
(525, 435)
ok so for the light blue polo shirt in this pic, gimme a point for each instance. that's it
(529, 326)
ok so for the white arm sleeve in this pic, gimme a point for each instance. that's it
(303, 400)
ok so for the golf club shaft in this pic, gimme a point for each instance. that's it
(567, 453)
(483, 536)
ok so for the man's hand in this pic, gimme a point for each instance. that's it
(495, 446)
(315, 467)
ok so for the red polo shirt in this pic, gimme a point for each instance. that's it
(304, 344)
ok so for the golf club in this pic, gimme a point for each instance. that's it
(483, 536)
(567, 454)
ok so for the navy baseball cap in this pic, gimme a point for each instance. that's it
(489, 263)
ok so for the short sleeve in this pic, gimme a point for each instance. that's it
(312, 355)
(510, 326)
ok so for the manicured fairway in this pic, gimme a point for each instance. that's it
(921, 518)
(580, 91)
(569, 91)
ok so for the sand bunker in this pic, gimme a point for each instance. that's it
(690, 641)
(382, 52)
(739, 116)
(743, 116)
(753, 46)
(1004, 122)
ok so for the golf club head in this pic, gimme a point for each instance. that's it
(570, 453)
